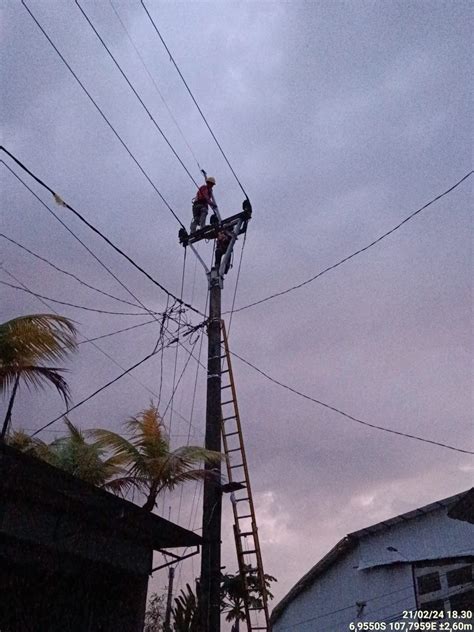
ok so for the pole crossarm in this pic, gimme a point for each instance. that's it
(210, 232)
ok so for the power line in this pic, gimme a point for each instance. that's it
(60, 201)
(192, 97)
(341, 412)
(103, 115)
(72, 233)
(236, 284)
(357, 252)
(96, 392)
(160, 94)
(113, 333)
(107, 355)
(135, 92)
(53, 300)
(70, 274)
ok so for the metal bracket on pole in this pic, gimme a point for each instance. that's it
(177, 558)
(200, 258)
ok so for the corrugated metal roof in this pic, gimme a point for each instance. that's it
(350, 540)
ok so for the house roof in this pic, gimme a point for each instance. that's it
(37, 482)
(464, 508)
(350, 541)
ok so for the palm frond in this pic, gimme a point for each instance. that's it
(28, 339)
(35, 376)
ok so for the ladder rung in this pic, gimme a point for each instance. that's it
(231, 401)
(227, 386)
(239, 500)
(232, 467)
(244, 534)
(248, 552)
(234, 450)
(231, 417)
(244, 517)
(225, 371)
(230, 434)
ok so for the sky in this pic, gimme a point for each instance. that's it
(340, 119)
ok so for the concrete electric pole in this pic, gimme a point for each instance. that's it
(209, 585)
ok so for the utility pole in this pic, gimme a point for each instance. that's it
(212, 500)
(167, 626)
(210, 579)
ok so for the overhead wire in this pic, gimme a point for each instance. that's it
(155, 188)
(160, 94)
(73, 234)
(54, 300)
(102, 388)
(357, 252)
(177, 349)
(347, 415)
(236, 285)
(66, 272)
(135, 92)
(97, 391)
(193, 98)
(102, 351)
(60, 201)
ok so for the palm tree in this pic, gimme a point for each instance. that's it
(72, 454)
(233, 594)
(25, 343)
(151, 465)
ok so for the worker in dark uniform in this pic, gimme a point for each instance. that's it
(201, 203)
(223, 239)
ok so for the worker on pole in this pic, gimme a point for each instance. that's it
(201, 203)
(223, 239)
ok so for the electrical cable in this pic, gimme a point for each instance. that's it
(96, 392)
(162, 325)
(113, 333)
(340, 412)
(160, 94)
(102, 114)
(357, 252)
(135, 92)
(177, 349)
(192, 97)
(193, 401)
(107, 355)
(53, 300)
(73, 234)
(60, 201)
(236, 285)
(70, 274)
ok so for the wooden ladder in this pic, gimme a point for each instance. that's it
(249, 555)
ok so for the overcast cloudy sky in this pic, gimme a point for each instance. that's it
(340, 119)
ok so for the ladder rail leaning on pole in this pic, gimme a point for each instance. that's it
(245, 524)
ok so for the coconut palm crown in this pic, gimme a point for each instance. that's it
(26, 343)
(150, 464)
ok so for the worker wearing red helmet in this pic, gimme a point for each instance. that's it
(201, 203)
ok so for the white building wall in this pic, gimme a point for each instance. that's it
(329, 604)
(373, 573)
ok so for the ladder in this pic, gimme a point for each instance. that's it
(249, 555)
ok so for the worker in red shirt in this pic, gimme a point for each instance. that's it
(201, 203)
